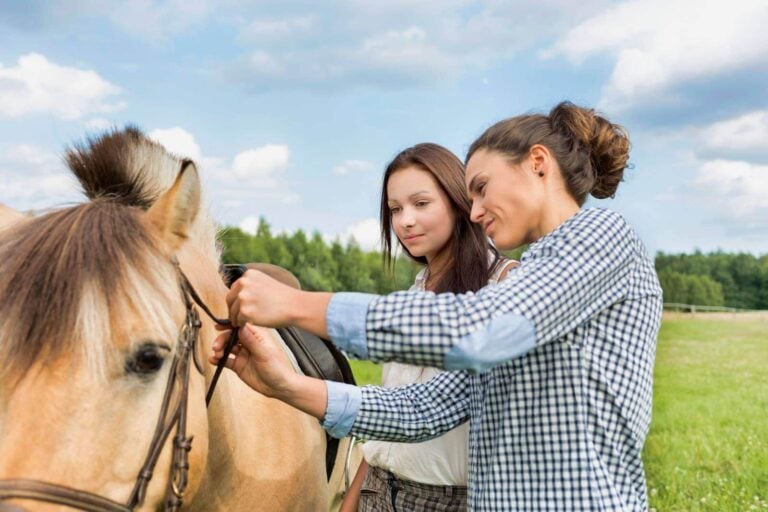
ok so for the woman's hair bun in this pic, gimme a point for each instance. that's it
(607, 144)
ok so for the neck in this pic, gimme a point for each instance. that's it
(558, 211)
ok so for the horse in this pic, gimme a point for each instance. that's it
(95, 309)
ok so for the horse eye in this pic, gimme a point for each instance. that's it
(147, 359)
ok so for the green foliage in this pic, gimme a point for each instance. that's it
(691, 289)
(716, 279)
(317, 265)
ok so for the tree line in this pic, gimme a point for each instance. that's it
(714, 279)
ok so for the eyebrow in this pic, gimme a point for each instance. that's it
(473, 183)
(411, 196)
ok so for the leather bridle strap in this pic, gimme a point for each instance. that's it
(52, 493)
(173, 412)
(187, 286)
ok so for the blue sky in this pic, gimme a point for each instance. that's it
(292, 109)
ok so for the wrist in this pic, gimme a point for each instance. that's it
(290, 388)
(306, 394)
(308, 311)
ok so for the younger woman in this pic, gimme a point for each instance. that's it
(424, 202)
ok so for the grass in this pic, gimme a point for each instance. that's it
(708, 445)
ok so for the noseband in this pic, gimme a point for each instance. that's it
(173, 412)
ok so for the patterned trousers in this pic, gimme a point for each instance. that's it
(384, 492)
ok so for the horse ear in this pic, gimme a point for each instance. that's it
(9, 216)
(174, 211)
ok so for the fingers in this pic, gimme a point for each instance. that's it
(250, 337)
(234, 312)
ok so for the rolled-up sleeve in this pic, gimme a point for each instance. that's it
(345, 317)
(343, 405)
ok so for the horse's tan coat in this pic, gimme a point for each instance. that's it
(62, 424)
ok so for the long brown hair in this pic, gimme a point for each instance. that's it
(591, 151)
(469, 267)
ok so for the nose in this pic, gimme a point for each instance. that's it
(477, 211)
(406, 218)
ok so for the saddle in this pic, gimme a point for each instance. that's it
(316, 357)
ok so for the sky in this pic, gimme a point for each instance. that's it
(293, 109)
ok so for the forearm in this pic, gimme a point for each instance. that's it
(308, 311)
(413, 413)
(306, 394)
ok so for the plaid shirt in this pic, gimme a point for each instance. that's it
(559, 421)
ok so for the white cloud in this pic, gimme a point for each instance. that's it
(249, 224)
(32, 178)
(396, 44)
(155, 20)
(28, 155)
(659, 44)
(260, 166)
(277, 28)
(353, 166)
(178, 141)
(36, 85)
(738, 189)
(366, 233)
(747, 134)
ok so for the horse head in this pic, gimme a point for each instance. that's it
(91, 311)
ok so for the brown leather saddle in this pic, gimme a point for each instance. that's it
(316, 357)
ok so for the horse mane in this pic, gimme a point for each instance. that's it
(68, 277)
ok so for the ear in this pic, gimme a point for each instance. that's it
(9, 216)
(173, 213)
(541, 159)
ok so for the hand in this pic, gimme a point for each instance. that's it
(263, 366)
(257, 361)
(261, 300)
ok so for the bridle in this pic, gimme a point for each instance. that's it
(173, 412)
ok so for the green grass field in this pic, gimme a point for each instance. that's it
(708, 445)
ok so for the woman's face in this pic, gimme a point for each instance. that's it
(422, 217)
(506, 198)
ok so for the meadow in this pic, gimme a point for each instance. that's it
(708, 445)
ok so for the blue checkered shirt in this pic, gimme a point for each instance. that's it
(557, 380)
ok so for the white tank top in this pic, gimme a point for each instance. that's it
(439, 461)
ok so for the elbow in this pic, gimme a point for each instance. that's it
(504, 338)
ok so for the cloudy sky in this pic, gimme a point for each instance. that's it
(292, 109)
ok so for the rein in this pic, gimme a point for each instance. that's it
(173, 412)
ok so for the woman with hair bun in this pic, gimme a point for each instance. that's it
(559, 355)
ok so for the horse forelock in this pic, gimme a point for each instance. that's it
(126, 166)
(73, 280)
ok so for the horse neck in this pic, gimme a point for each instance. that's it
(264, 445)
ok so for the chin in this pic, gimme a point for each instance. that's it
(504, 244)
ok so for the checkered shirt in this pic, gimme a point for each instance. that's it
(561, 427)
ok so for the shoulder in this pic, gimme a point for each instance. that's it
(590, 233)
(503, 266)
